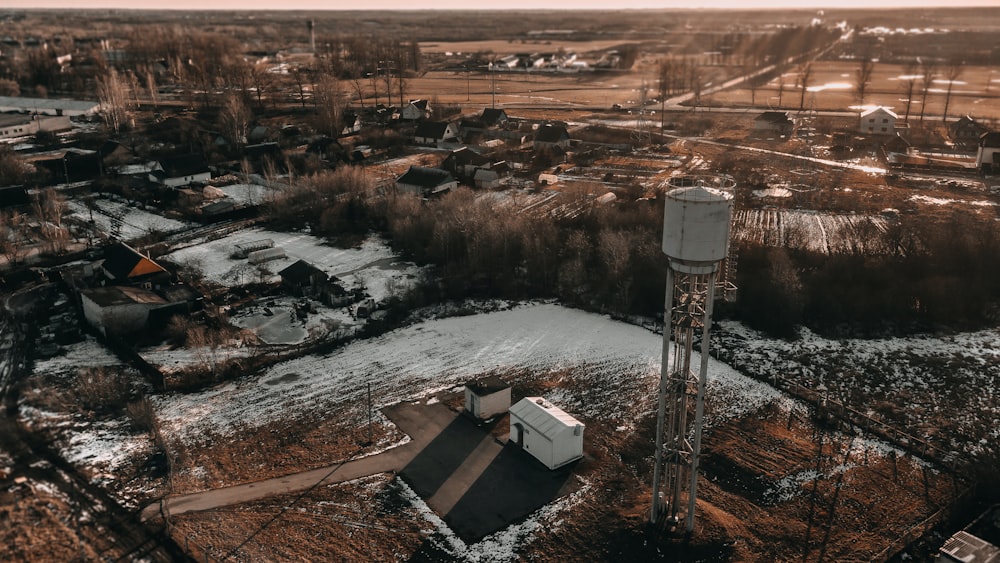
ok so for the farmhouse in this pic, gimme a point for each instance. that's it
(487, 397)
(988, 154)
(966, 131)
(424, 181)
(546, 432)
(773, 123)
(435, 132)
(180, 170)
(878, 121)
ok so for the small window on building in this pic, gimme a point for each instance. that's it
(885, 120)
(883, 129)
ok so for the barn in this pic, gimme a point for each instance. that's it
(545, 431)
(487, 397)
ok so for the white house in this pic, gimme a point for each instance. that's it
(119, 309)
(435, 132)
(180, 170)
(487, 397)
(545, 431)
(878, 121)
(988, 153)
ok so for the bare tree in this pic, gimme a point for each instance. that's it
(928, 71)
(329, 99)
(910, 85)
(116, 100)
(805, 74)
(862, 76)
(955, 68)
(234, 118)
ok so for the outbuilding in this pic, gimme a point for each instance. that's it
(487, 397)
(547, 432)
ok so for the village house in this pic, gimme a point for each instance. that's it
(773, 123)
(550, 137)
(303, 279)
(180, 170)
(416, 110)
(988, 154)
(878, 121)
(425, 182)
(965, 131)
(435, 132)
(352, 124)
(545, 431)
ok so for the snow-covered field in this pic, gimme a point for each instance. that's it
(246, 194)
(620, 363)
(372, 266)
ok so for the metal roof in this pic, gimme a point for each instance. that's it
(31, 104)
(544, 417)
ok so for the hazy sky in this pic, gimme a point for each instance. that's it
(481, 4)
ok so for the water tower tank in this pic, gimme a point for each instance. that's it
(696, 228)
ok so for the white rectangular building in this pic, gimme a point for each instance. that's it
(487, 397)
(545, 431)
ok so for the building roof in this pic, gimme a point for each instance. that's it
(879, 109)
(432, 129)
(990, 139)
(551, 134)
(777, 117)
(180, 165)
(967, 548)
(465, 155)
(486, 385)
(301, 272)
(543, 416)
(121, 262)
(492, 116)
(113, 295)
(425, 177)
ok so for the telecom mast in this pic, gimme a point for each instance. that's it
(696, 221)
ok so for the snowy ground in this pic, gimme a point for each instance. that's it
(372, 266)
(620, 362)
(246, 194)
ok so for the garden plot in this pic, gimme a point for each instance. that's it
(135, 222)
(826, 233)
(373, 265)
(246, 194)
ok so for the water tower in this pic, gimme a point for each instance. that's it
(696, 221)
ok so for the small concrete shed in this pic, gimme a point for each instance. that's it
(545, 431)
(487, 397)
